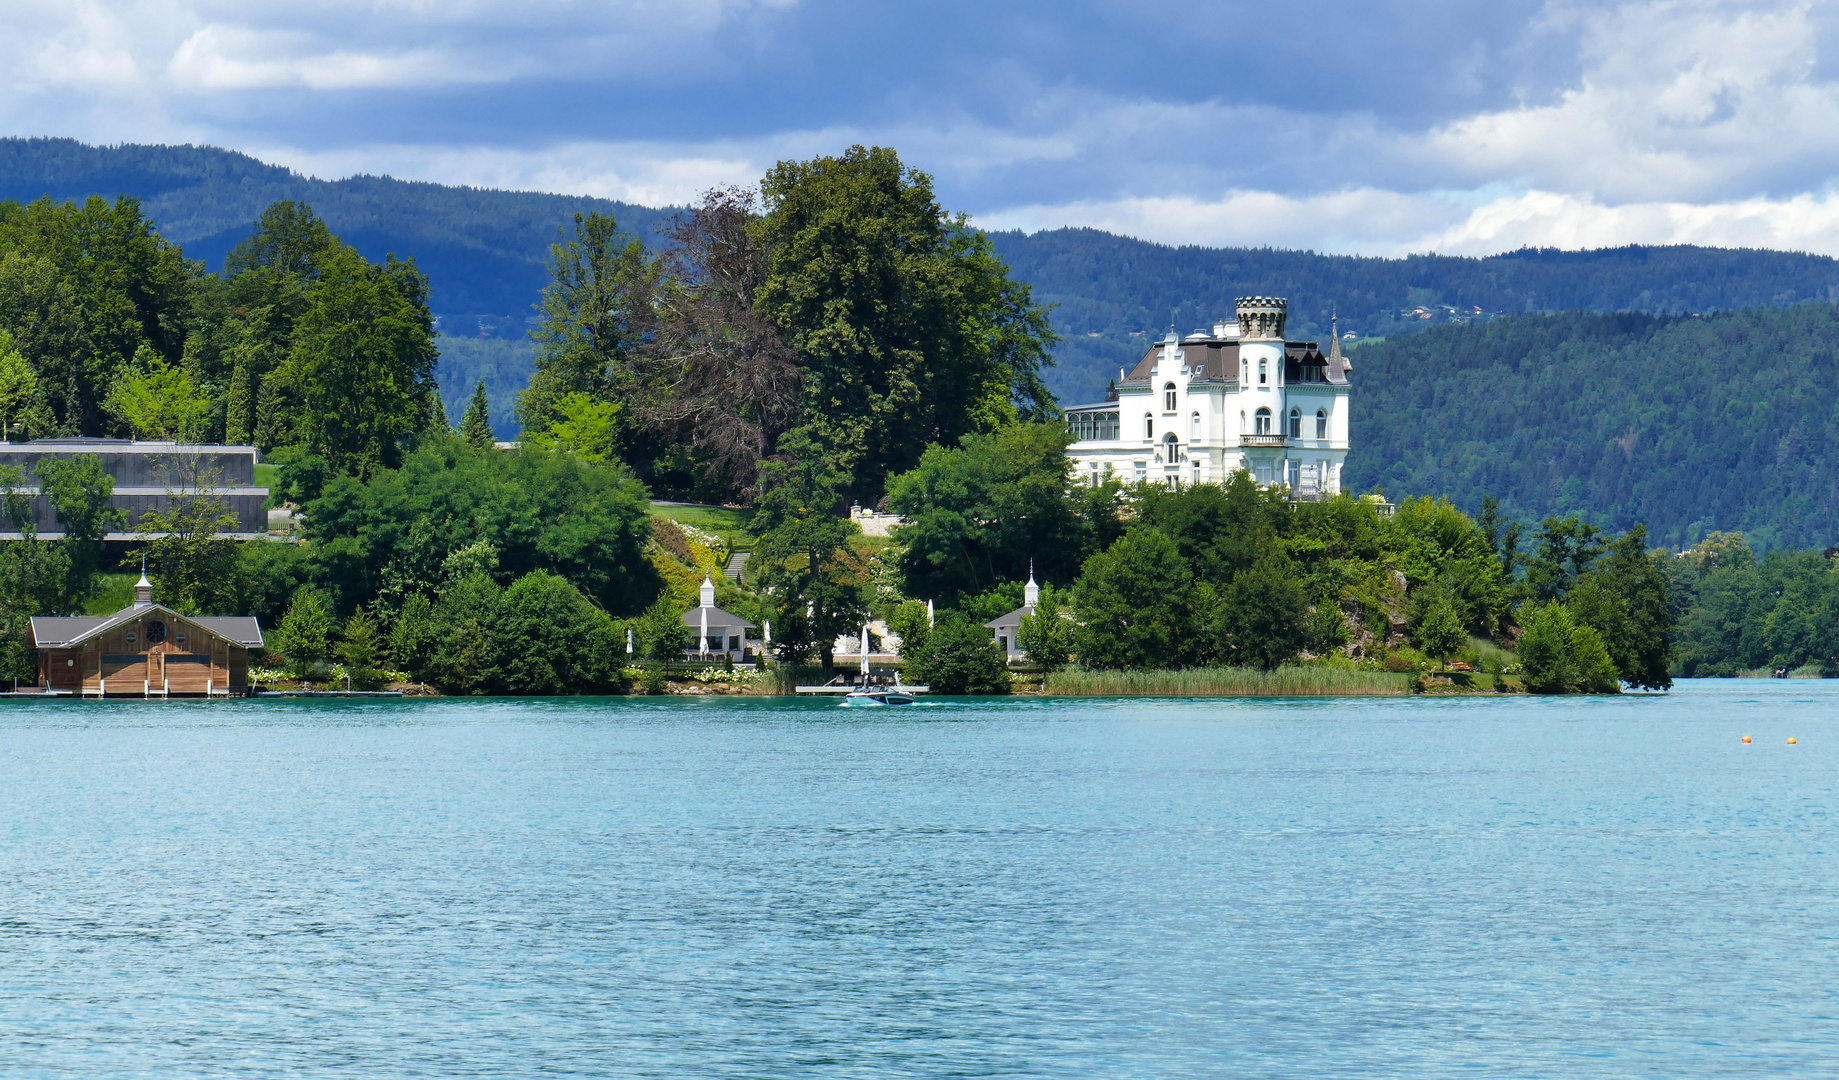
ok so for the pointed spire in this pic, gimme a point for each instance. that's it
(143, 589)
(1031, 593)
(708, 591)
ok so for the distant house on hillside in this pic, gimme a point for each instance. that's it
(1195, 410)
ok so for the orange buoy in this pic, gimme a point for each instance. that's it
(1790, 740)
(1746, 739)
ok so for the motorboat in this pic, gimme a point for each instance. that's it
(878, 695)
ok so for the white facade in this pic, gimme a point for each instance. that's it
(1196, 409)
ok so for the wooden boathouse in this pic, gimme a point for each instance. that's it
(148, 650)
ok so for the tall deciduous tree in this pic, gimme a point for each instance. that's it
(721, 375)
(907, 327)
(361, 370)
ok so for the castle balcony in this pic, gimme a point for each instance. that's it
(1264, 440)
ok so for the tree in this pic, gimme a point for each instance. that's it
(82, 493)
(360, 649)
(361, 370)
(1557, 656)
(305, 633)
(1567, 549)
(912, 624)
(1263, 616)
(582, 426)
(18, 385)
(464, 659)
(961, 657)
(416, 636)
(988, 510)
(476, 425)
(157, 400)
(719, 375)
(661, 634)
(1438, 630)
(546, 638)
(1626, 599)
(194, 565)
(805, 561)
(1137, 605)
(596, 311)
(907, 328)
(391, 535)
(1046, 636)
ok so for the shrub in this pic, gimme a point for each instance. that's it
(962, 657)
(1557, 656)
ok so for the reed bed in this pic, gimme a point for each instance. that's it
(1230, 682)
(781, 680)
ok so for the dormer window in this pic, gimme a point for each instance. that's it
(1168, 398)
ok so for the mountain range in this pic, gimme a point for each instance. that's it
(1689, 388)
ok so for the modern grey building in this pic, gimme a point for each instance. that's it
(148, 476)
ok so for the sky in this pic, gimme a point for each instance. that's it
(1348, 126)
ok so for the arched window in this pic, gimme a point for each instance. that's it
(1168, 398)
(1296, 423)
(1261, 422)
(1196, 434)
(1171, 448)
(1321, 424)
(1149, 426)
(1263, 375)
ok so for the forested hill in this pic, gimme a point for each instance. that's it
(483, 250)
(1727, 422)
(1112, 293)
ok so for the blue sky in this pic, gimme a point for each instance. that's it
(1375, 126)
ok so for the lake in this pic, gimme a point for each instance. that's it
(1419, 887)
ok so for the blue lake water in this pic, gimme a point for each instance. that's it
(761, 888)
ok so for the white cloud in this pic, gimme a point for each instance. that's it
(1373, 222)
(1679, 99)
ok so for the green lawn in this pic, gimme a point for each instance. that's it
(267, 476)
(730, 525)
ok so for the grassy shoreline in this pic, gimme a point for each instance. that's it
(1230, 682)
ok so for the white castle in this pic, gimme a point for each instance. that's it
(1195, 410)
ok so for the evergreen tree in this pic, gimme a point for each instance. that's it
(476, 425)
(360, 649)
(596, 311)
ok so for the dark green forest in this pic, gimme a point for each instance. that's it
(483, 250)
(1690, 425)
(485, 253)
(1112, 294)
